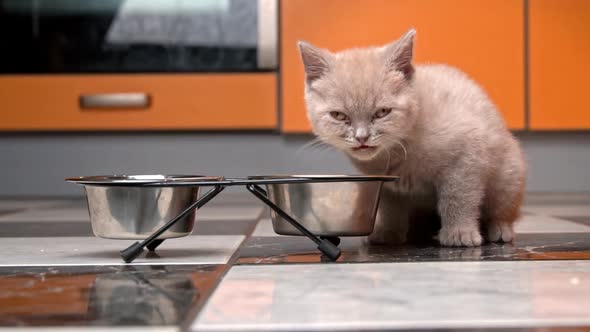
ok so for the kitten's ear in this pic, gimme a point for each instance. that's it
(315, 61)
(399, 54)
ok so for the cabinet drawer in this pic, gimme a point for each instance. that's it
(138, 102)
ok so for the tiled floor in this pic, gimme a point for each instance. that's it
(234, 273)
(82, 251)
(108, 296)
(404, 295)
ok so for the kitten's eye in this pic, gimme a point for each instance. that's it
(381, 113)
(339, 116)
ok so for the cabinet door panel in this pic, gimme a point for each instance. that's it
(559, 66)
(483, 38)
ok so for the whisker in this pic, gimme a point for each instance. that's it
(319, 144)
(311, 144)
(403, 148)
(386, 170)
(388, 161)
(398, 142)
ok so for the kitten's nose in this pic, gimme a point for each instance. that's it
(362, 139)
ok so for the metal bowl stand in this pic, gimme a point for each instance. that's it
(327, 245)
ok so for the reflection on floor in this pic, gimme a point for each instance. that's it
(234, 273)
(104, 295)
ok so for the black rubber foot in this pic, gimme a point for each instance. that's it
(329, 249)
(152, 246)
(131, 252)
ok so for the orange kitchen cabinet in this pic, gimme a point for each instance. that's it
(559, 66)
(484, 38)
(176, 102)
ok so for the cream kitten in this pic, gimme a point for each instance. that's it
(430, 124)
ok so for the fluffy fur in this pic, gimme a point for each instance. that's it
(430, 124)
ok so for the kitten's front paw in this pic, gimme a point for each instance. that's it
(460, 237)
(500, 232)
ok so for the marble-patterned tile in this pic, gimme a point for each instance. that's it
(264, 228)
(581, 210)
(76, 228)
(291, 249)
(580, 220)
(80, 213)
(528, 223)
(399, 296)
(106, 329)
(151, 297)
(535, 223)
(84, 251)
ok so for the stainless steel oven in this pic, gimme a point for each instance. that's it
(137, 36)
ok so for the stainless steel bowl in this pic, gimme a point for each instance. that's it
(122, 207)
(343, 208)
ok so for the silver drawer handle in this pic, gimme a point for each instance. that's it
(115, 100)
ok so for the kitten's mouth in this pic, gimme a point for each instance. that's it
(364, 148)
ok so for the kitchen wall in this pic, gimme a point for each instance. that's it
(37, 164)
(513, 61)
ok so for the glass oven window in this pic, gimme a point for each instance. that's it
(129, 36)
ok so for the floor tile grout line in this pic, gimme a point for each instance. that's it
(194, 313)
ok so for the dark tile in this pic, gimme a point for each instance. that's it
(4, 212)
(224, 227)
(45, 229)
(277, 249)
(104, 296)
